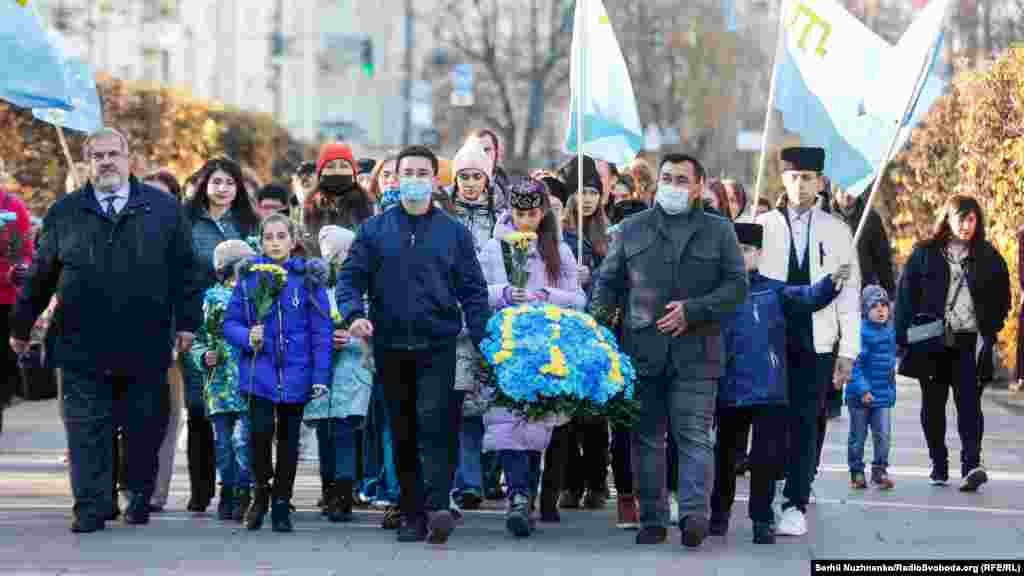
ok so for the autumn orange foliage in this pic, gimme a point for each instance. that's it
(972, 142)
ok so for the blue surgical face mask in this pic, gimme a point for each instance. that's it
(415, 190)
(673, 200)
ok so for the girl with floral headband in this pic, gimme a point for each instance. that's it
(550, 278)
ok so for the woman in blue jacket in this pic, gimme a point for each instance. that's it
(284, 357)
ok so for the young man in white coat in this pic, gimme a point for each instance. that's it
(803, 244)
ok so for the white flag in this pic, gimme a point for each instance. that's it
(612, 130)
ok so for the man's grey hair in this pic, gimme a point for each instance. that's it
(105, 133)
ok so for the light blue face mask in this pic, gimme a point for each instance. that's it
(673, 200)
(415, 190)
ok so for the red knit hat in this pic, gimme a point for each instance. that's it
(334, 151)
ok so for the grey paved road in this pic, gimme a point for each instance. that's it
(913, 521)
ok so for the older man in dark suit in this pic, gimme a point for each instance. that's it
(118, 255)
(674, 272)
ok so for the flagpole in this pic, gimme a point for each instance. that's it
(580, 83)
(67, 156)
(922, 79)
(768, 115)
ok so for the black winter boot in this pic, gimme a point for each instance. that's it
(339, 505)
(281, 515)
(325, 497)
(260, 504)
(226, 504)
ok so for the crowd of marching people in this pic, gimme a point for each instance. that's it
(353, 301)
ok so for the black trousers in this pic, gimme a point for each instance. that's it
(94, 406)
(10, 377)
(672, 481)
(418, 387)
(120, 460)
(202, 458)
(956, 369)
(765, 459)
(742, 442)
(587, 465)
(456, 399)
(556, 459)
(622, 460)
(267, 420)
(810, 379)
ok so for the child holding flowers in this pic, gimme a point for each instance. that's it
(525, 263)
(342, 411)
(217, 361)
(279, 318)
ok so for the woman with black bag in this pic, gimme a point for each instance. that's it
(953, 298)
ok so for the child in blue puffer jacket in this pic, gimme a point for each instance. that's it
(285, 356)
(871, 392)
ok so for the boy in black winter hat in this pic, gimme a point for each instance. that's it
(754, 389)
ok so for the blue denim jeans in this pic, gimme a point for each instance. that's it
(522, 471)
(231, 434)
(343, 441)
(878, 420)
(469, 476)
(689, 407)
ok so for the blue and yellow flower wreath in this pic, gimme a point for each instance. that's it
(549, 360)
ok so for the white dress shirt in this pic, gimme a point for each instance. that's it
(800, 230)
(120, 198)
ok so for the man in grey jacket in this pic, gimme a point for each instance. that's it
(671, 275)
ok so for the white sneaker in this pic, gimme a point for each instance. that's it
(792, 523)
(813, 497)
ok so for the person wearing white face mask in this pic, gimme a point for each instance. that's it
(420, 269)
(672, 275)
(803, 244)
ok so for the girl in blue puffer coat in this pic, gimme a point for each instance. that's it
(871, 393)
(284, 357)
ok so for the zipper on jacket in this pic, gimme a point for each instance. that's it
(280, 361)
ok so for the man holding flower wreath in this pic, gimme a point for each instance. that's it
(674, 272)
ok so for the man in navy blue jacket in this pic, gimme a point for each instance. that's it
(420, 270)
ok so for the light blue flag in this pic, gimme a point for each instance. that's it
(87, 113)
(834, 87)
(31, 63)
(729, 14)
(612, 130)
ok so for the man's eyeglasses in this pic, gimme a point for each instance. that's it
(100, 156)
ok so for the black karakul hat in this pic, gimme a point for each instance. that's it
(274, 192)
(527, 194)
(749, 233)
(591, 177)
(803, 159)
(366, 165)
